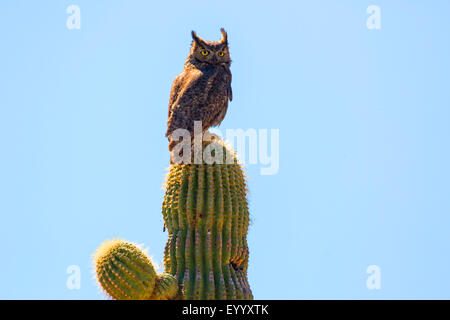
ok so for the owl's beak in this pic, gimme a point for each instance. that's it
(214, 59)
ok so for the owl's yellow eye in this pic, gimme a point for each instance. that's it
(205, 52)
(220, 54)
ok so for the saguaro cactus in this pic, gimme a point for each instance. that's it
(206, 214)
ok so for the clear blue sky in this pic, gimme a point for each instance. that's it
(363, 115)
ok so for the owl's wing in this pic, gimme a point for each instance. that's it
(229, 90)
(175, 90)
(183, 100)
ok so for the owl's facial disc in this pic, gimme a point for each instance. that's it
(210, 52)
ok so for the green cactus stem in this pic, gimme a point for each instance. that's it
(206, 214)
(166, 287)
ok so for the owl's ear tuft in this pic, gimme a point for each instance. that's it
(224, 36)
(196, 38)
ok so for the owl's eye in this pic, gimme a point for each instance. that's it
(220, 54)
(205, 52)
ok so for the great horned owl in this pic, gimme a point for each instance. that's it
(202, 90)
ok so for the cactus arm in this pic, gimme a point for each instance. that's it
(125, 272)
